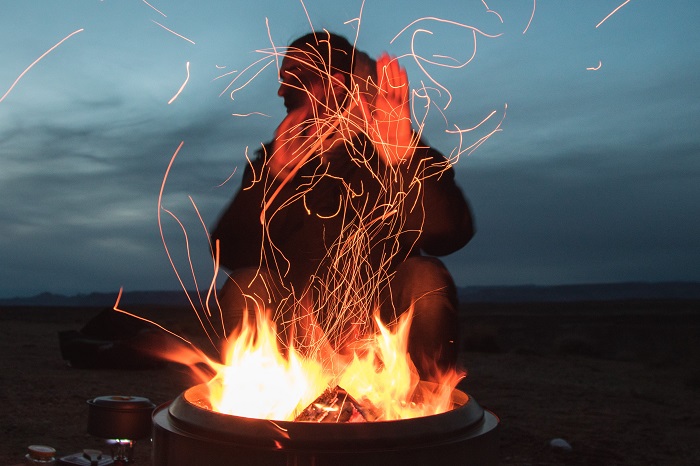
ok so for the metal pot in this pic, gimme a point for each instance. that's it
(120, 417)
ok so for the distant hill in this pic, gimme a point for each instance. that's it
(487, 294)
(584, 292)
(155, 298)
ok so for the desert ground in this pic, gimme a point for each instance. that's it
(619, 382)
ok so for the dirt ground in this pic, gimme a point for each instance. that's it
(620, 383)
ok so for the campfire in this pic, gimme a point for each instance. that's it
(265, 406)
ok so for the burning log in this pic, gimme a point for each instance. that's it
(337, 406)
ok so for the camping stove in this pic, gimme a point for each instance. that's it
(187, 432)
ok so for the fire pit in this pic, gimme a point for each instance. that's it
(187, 432)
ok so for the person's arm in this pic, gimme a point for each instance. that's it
(293, 141)
(447, 223)
(241, 228)
(238, 230)
(437, 217)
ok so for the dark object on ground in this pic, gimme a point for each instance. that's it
(112, 340)
(88, 457)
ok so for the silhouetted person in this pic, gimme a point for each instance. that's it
(345, 209)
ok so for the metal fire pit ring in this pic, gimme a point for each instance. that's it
(185, 432)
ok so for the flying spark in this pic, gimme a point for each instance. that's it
(155, 9)
(116, 308)
(173, 32)
(421, 61)
(38, 60)
(489, 10)
(534, 6)
(187, 66)
(249, 114)
(612, 13)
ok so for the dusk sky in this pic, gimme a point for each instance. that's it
(593, 174)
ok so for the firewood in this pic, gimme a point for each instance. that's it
(337, 405)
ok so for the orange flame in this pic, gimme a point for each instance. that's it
(258, 380)
(392, 387)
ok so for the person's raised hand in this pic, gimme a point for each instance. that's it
(388, 117)
(293, 139)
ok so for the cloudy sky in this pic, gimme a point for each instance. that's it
(592, 176)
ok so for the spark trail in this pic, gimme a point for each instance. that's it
(155, 9)
(173, 32)
(612, 13)
(179, 91)
(37, 61)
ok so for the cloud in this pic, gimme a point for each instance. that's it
(80, 200)
(615, 215)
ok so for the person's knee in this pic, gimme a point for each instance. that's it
(426, 273)
(425, 285)
(420, 278)
(434, 339)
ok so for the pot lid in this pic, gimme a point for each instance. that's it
(122, 402)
